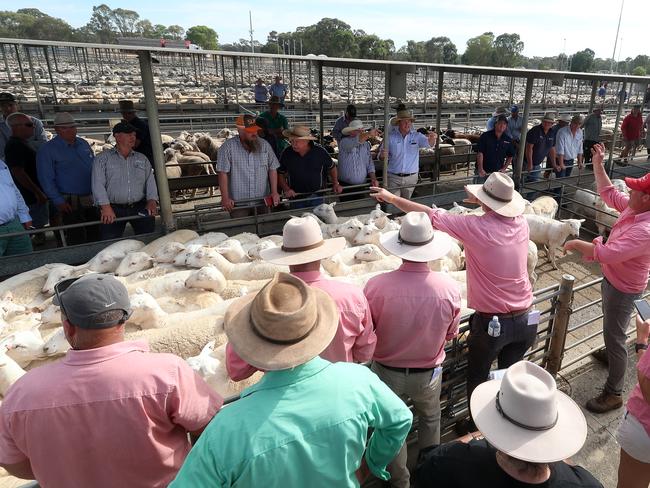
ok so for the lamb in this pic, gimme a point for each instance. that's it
(545, 206)
(605, 216)
(23, 346)
(460, 210)
(168, 252)
(182, 236)
(172, 170)
(369, 233)
(233, 251)
(325, 212)
(10, 371)
(454, 260)
(208, 146)
(56, 344)
(348, 229)
(133, 262)
(206, 278)
(181, 257)
(552, 233)
(254, 251)
(8, 308)
(591, 206)
(338, 268)
(256, 270)
(210, 239)
(531, 262)
(169, 284)
(368, 252)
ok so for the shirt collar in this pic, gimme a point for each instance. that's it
(106, 353)
(286, 377)
(308, 276)
(61, 141)
(413, 267)
(115, 151)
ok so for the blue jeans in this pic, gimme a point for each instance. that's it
(144, 225)
(314, 201)
(568, 167)
(535, 174)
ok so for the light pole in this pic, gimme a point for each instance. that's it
(620, 15)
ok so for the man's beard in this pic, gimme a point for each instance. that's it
(251, 145)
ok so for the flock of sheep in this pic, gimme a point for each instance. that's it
(182, 284)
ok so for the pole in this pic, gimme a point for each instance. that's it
(544, 93)
(426, 82)
(223, 80)
(156, 142)
(311, 99)
(250, 21)
(49, 72)
(618, 28)
(619, 112)
(34, 81)
(348, 85)
(441, 77)
(386, 125)
(20, 64)
(559, 324)
(56, 63)
(478, 91)
(320, 99)
(516, 176)
(512, 91)
(291, 81)
(4, 56)
(234, 73)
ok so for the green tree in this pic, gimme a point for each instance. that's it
(507, 50)
(480, 50)
(372, 47)
(31, 23)
(144, 28)
(125, 21)
(440, 50)
(332, 37)
(639, 71)
(101, 25)
(203, 36)
(175, 32)
(582, 61)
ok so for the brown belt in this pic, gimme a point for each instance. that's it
(407, 370)
(512, 315)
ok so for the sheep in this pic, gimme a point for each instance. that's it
(23, 346)
(552, 233)
(10, 371)
(369, 233)
(256, 270)
(460, 210)
(589, 205)
(58, 273)
(379, 217)
(51, 315)
(9, 309)
(182, 236)
(545, 206)
(168, 252)
(368, 252)
(233, 251)
(206, 278)
(133, 262)
(208, 146)
(56, 344)
(109, 258)
(210, 239)
(166, 285)
(348, 229)
(325, 212)
(172, 170)
(531, 262)
(254, 251)
(454, 260)
(25, 286)
(338, 268)
(181, 257)
(605, 216)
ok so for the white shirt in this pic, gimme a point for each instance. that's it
(568, 145)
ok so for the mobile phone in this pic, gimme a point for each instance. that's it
(268, 200)
(143, 213)
(643, 307)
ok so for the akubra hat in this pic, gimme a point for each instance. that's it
(64, 119)
(302, 242)
(356, 124)
(285, 324)
(298, 132)
(498, 193)
(526, 417)
(416, 240)
(402, 115)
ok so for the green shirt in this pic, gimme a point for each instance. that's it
(300, 427)
(279, 122)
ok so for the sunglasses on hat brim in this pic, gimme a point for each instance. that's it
(62, 286)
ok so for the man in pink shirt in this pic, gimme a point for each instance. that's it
(415, 311)
(496, 249)
(108, 414)
(625, 262)
(302, 249)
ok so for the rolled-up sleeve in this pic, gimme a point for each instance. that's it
(625, 247)
(614, 198)
(391, 420)
(99, 180)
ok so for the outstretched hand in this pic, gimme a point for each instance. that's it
(381, 194)
(597, 153)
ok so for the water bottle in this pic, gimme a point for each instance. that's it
(494, 327)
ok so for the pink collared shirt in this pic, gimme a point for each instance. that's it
(636, 404)
(496, 252)
(355, 338)
(105, 417)
(625, 258)
(415, 311)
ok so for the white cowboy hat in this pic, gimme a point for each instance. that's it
(564, 118)
(416, 240)
(524, 416)
(402, 115)
(356, 124)
(285, 324)
(498, 193)
(302, 242)
(298, 132)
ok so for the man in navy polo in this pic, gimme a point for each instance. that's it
(540, 142)
(495, 151)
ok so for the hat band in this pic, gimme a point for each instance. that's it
(272, 340)
(519, 424)
(303, 248)
(411, 243)
(492, 195)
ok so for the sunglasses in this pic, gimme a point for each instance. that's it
(60, 287)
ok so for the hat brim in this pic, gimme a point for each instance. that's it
(633, 184)
(437, 248)
(347, 130)
(290, 135)
(395, 120)
(253, 129)
(266, 355)
(558, 443)
(513, 208)
(66, 124)
(276, 255)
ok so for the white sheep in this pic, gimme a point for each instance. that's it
(207, 278)
(210, 239)
(9, 309)
(454, 260)
(531, 262)
(61, 272)
(460, 210)
(109, 258)
(133, 262)
(23, 346)
(168, 252)
(233, 251)
(10, 371)
(545, 206)
(51, 315)
(217, 376)
(168, 284)
(256, 270)
(368, 252)
(254, 251)
(205, 364)
(605, 216)
(326, 213)
(338, 268)
(552, 233)
(56, 344)
(379, 217)
(182, 236)
(348, 229)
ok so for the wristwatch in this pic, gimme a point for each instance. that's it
(640, 347)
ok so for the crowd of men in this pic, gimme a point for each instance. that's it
(61, 182)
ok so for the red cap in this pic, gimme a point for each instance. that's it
(247, 122)
(639, 184)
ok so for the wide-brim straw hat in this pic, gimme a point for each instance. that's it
(302, 242)
(564, 118)
(298, 132)
(356, 124)
(64, 119)
(416, 240)
(285, 324)
(498, 193)
(531, 420)
(402, 115)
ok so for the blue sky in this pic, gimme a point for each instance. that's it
(545, 27)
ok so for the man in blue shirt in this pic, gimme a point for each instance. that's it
(404, 145)
(64, 167)
(492, 120)
(514, 125)
(13, 213)
(260, 91)
(278, 89)
(495, 151)
(540, 142)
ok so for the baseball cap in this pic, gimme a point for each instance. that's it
(639, 184)
(247, 123)
(123, 128)
(514, 108)
(83, 299)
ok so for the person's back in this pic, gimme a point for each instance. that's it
(306, 426)
(460, 465)
(111, 416)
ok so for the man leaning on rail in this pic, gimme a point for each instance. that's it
(496, 250)
(625, 262)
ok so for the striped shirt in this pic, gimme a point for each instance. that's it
(248, 172)
(355, 161)
(122, 181)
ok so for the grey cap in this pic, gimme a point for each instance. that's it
(86, 300)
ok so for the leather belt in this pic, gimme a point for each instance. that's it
(128, 205)
(407, 370)
(512, 315)
(403, 175)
